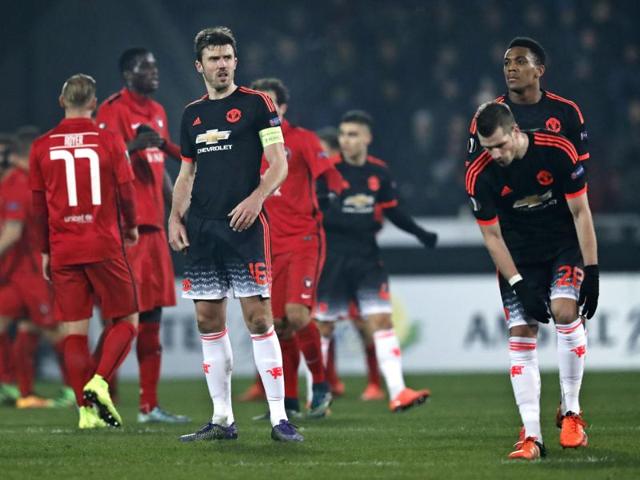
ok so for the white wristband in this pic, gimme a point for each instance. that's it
(515, 279)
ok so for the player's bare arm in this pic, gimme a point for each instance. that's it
(46, 266)
(498, 250)
(246, 212)
(10, 234)
(582, 219)
(179, 205)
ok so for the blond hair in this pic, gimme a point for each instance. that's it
(78, 90)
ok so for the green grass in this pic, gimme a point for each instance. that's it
(464, 431)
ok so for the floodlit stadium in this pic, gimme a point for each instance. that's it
(366, 239)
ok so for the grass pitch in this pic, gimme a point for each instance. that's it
(464, 432)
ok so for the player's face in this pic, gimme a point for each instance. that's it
(218, 66)
(520, 69)
(354, 139)
(145, 77)
(501, 146)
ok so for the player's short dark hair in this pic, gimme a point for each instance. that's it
(23, 138)
(78, 90)
(492, 115)
(358, 116)
(214, 36)
(533, 46)
(329, 135)
(129, 57)
(275, 85)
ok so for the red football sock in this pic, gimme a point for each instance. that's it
(116, 346)
(6, 371)
(373, 372)
(24, 349)
(290, 364)
(330, 373)
(78, 364)
(149, 355)
(309, 341)
(59, 347)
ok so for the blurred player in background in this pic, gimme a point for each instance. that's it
(226, 237)
(298, 250)
(25, 296)
(82, 182)
(142, 123)
(353, 272)
(529, 197)
(373, 391)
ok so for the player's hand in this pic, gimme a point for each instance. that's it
(131, 236)
(146, 137)
(428, 239)
(245, 213)
(46, 266)
(178, 239)
(534, 305)
(589, 291)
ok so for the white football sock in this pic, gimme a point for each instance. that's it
(389, 360)
(525, 380)
(268, 359)
(572, 348)
(218, 365)
(308, 377)
(325, 343)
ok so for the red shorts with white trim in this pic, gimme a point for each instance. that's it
(28, 296)
(153, 270)
(560, 277)
(296, 274)
(108, 284)
(223, 263)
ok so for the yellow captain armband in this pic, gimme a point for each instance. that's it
(271, 135)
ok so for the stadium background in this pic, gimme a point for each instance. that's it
(420, 68)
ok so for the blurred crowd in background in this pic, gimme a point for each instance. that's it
(421, 68)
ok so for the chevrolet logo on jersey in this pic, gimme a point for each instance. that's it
(211, 137)
(534, 201)
(359, 203)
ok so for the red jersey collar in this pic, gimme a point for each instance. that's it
(134, 99)
(77, 121)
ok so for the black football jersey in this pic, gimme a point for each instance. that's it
(352, 221)
(552, 113)
(221, 137)
(529, 196)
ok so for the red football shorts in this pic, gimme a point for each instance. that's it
(109, 284)
(28, 296)
(295, 275)
(153, 270)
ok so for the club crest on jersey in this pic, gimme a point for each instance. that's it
(544, 178)
(553, 124)
(211, 137)
(374, 183)
(234, 115)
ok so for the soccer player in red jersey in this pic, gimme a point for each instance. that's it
(141, 122)
(298, 245)
(25, 296)
(82, 183)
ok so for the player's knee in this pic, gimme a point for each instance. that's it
(298, 316)
(529, 331)
(380, 321)
(564, 312)
(259, 321)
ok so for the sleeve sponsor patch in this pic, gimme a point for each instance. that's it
(271, 135)
(475, 204)
(472, 145)
(275, 122)
(578, 172)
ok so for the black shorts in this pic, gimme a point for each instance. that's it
(221, 262)
(560, 277)
(348, 280)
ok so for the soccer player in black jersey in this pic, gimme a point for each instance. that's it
(226, 235)
(529, 196)
(353, 271)
(533, 107)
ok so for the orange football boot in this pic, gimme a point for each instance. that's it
(572, 434)
(529, 449)
(372, 392)
(407, 398)
(254, 393)
(33, 401)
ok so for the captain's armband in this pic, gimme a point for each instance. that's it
(271, 135)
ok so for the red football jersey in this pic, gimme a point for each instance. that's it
(79, 167)
(15, 204)
(293, 210)
(122, 113)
